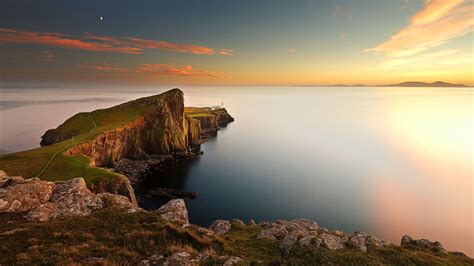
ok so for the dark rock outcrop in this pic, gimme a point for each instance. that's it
(170, 193)
(409, 242)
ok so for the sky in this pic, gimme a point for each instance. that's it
(236, 42)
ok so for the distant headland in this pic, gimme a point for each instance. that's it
(402, 84)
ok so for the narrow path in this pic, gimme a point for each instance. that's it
(63, 149)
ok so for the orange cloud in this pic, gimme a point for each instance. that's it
(438, 22)
(170, 70)
(90, 42)
(433, 10)
(103, 66)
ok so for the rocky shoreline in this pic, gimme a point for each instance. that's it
(41, 201)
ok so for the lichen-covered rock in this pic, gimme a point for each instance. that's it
(113, 200)
(358, 240)
(72, 197)
(409, 242)
(289, 232)
(43, 200)
(24, 195)
(176, 259)
(276, 232)
(220, 227)
(232, 260)
(119, 185)
(331, 241)
(174, 211)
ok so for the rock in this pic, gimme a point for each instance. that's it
(176, 259)
(308, 241)
(406, 240)
(24, 195)
(72, 197)
(409, 242)
(112, 200)
(174, 211)
(273, 233)
(330, 241)
(119, 185)
(152, 260)
(42, 200)
(358, 240)
(220, 227)
(232, 261)
(289, 232)
(238, 222)
(458, 254)
(374, 241)
(170, 193)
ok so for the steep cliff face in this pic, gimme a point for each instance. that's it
(162, 129)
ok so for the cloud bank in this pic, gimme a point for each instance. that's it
(99, 43)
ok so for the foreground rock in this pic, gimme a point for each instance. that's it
(43, 200)
(174, 211)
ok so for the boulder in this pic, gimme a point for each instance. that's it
(174, 211)
(176, 259)
(24, 195)
(289, 232)
(330, 241)
(42, 200)
(232, 260)
(113, 200)
(410, 243)
(358, 241)
(220, 227)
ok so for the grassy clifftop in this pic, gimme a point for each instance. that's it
(50, 161)
(112, 236)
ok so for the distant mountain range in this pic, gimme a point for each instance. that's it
(403, 84)
(424, 84)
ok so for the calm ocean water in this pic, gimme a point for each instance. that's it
(389, 161)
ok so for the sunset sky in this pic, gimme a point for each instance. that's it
(246, 42)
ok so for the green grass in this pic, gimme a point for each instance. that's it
(49, 163)
(113, 236)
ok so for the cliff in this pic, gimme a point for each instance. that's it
(161, 127)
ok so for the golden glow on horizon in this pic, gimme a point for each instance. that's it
(435, 137)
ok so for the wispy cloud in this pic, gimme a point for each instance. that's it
(438, 22)
(27, 55)
(170, 70)
(47, 56)
(102, 66)
(226, 52)
(91, 42)
(291, 50)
